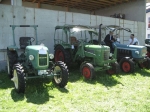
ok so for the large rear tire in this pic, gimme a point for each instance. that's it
(127, 65)
(61, 74)
(62, 54)
(115, 69)
(18, 78)
(11, 60)
(87, 70)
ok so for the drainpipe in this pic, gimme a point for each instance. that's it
(12, 2)
(99, 35)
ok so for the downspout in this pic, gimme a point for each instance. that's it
(99, 35)
(12, 2)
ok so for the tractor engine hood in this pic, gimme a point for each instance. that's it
(100, 53)
(36, 47)
(38, 56)
(96, 47)
(136, 51)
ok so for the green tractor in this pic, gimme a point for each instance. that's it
(70, 49)
(33, 61)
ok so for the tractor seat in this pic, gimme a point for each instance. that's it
(24, 42)
(73, 41)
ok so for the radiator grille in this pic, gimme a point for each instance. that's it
(43, 59)
(106, 55)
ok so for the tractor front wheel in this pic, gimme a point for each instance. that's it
(127, 65)
(115, 69)
(87, 70)
(18, 78)
(11, 60)
(60, 74)
(145, 64)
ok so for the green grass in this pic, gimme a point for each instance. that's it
(119, 93)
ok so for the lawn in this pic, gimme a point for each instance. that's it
(121, 93)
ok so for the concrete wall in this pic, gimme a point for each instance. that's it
(48, 19)
(134, 10)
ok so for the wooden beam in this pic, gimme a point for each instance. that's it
(39, 4)
(34, 1)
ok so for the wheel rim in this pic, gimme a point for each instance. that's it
(59, 56)
(126, 66)
(57, 74)
(86, 72)
(15, 79)
(8, 69)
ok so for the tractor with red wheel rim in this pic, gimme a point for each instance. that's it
(127, 55)
(72, 44)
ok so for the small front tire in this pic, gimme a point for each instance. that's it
(145, 64)
(60, 74)
(115, 69)
(87, 70)
(127, 65)
(18, 78)
(11, 60)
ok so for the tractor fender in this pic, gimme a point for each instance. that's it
(12, 48)
(124, 59)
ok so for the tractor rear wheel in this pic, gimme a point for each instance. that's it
(11, 60)
(87, 70)
(61, 74)
(62, 54)
(145, 64)
(115, 69)
(18, 78)
(127, 65)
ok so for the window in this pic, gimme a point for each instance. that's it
(148, 36)
(148, 22)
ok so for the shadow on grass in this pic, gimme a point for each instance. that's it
(17, 97)
(100, 77)
(5, 81)
(103, 78)
(37, 91)
(63, 90)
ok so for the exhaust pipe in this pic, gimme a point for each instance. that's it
(99, 35)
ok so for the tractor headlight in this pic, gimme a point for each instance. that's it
(110, 55)
(137, 52)
(51, 56)
(31, 57)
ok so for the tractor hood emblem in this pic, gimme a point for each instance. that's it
(42, 51)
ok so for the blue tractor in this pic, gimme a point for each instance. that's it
(127, 55)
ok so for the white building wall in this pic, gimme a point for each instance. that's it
(48, 19)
